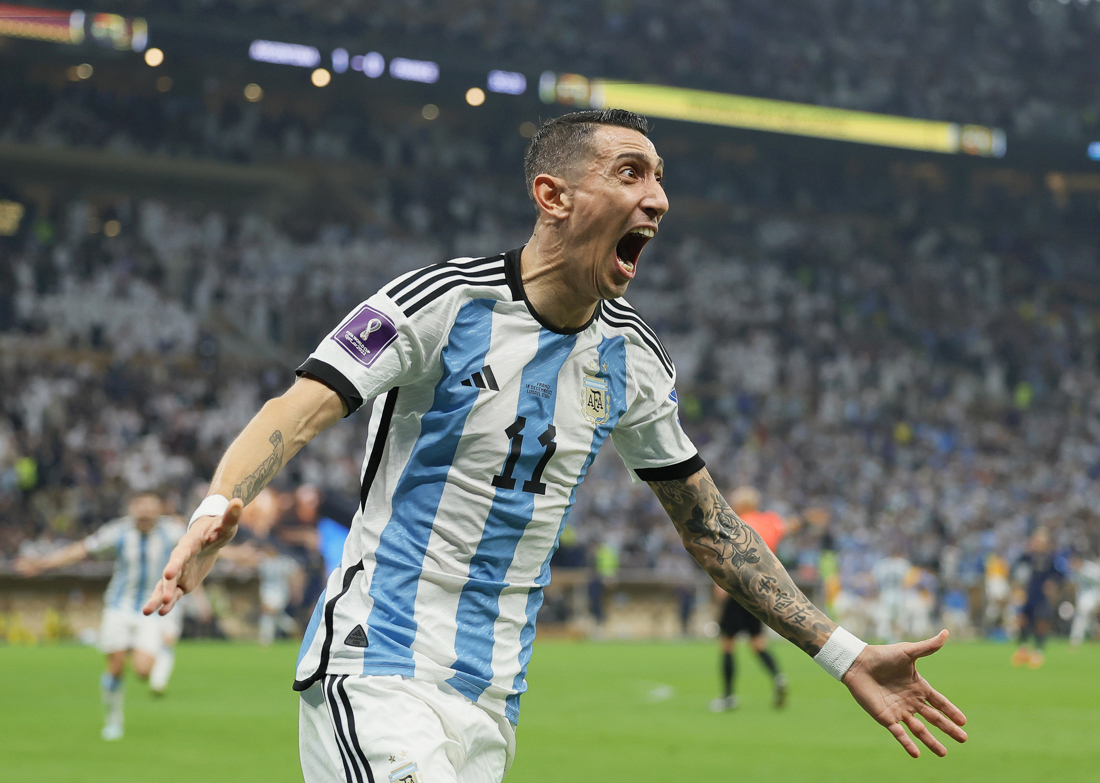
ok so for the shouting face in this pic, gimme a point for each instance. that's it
(615, 203)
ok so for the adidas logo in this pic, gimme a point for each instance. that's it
(357, 637)
(483, 379)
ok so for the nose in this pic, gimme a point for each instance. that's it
(655, 203)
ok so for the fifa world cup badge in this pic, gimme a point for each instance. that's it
(407, 774)
(596, 399)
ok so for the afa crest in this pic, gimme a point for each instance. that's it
(597, 400)
(407, 774)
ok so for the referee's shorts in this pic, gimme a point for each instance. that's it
(399, 730)
(737, 619)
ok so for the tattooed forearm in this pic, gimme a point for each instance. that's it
(739, 561)
(248, 489)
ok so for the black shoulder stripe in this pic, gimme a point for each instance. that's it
(653, 346)
(444, 288)
(403, 283)
(631, 314)
(447, 274)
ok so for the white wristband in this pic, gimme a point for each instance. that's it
(839, 652)
(212, 506)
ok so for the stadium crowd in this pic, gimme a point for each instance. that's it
(1022, 66)
(903, 373)
(903, 364)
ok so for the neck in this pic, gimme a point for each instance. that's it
(551, 286)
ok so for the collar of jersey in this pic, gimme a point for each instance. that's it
(515, 283)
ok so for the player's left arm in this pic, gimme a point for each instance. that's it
(882, 678)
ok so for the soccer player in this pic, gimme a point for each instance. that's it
(497, 380)
(1086, 578)
(1039, 573)
(890, 575)
(142, 541)
(735, 619)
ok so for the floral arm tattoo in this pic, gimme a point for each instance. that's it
(248, 489)
(739, 560)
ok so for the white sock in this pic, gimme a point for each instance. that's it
(111, 689)
(162, 668)
(267, 629)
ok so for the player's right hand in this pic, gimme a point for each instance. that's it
(193, 558)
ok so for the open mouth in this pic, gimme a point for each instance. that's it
(630, 247)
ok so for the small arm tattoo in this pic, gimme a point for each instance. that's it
(248, 489)
(739, 560)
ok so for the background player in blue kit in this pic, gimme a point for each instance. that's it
(1038, 573)
(141, 542)
(500, 378)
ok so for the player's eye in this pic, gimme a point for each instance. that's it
(629, 171)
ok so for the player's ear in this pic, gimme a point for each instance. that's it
(552, 195)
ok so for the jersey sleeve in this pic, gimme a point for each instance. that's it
(106, 538)
(649, 437)
(373, 349)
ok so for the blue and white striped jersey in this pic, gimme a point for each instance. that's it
(140, 558)
(489, 422)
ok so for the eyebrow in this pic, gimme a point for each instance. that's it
(640, 156)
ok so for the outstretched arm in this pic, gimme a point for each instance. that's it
(883, 679)
(67, 555)
(279, 431)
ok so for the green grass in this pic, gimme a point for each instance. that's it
(596, 712)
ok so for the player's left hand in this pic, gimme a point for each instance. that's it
(885, 682)
(193, 558)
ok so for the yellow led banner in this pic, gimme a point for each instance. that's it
(738, 111)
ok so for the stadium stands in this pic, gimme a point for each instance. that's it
(910, 346)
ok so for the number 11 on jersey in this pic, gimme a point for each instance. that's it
(515, 448)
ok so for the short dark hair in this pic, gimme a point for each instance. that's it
(555, 147)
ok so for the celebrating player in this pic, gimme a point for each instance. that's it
(735, 618)
(142, 541)
(499, 378)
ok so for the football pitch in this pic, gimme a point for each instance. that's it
(611, 711)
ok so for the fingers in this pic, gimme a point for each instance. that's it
(154, 601)
(233, 511)
(167, 591)
(906, 741)
(928, 646)
(942, 722)
(941, 703)
(921, 732)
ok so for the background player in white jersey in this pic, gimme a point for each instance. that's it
(141, 542)
(500, 378)
(1086, 579)
(890, 574)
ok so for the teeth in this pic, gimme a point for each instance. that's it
(629, 267)
(645, 232)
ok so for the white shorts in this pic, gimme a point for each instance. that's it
(393, 729)
(126, 629)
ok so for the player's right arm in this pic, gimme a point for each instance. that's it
(279, 431)
(67, 555)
